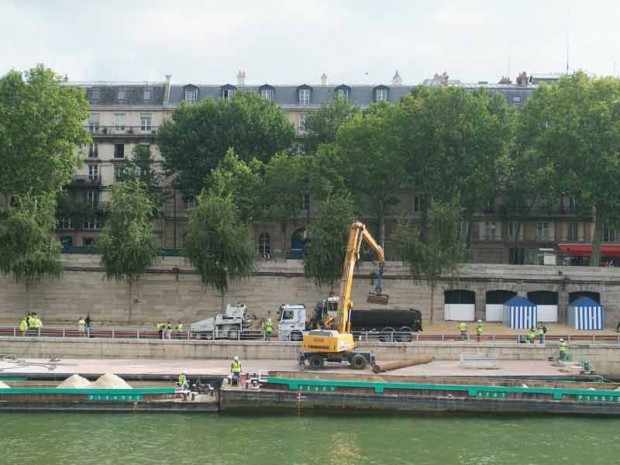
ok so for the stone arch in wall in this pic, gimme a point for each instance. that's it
(595, 296)
(547, 305)
(298, 243)
(494, 304)
(459, 305)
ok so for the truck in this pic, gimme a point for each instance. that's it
(387, 324)
(227, 325)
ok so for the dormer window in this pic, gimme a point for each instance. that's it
(343, 92)
(228, 91)
(95, 94)
(190, 94)
(146, 95)
(304, 94)
(267, 92)
(121, 95)
(381, 94)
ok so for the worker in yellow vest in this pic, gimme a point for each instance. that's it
(179, 330)
(37, 323)
(479, 330)
(23, 326)
(82, 326)
(235, 368)
(182, 382)
(268, 329)
(463, 330)
(562, 348)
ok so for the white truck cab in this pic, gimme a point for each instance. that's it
(291, 322)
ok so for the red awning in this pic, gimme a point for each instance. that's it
(607, 250)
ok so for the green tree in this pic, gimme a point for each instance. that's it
(218, 244)
(328, 235)
(243, 182)
(127, 240)
(41, 128)
(28, 249)
(452, 140)
(439, 254)
(575, 127)
(322, 125)
(198, 136)
(140, 167)
(372, 163)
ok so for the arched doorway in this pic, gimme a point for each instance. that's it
(494, 307)
(595, 296)
(547, 305)
(298, 243)
(459, 305)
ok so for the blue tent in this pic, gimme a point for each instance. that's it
(520, 313)
(585, 313)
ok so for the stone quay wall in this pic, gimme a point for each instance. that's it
(172, 290)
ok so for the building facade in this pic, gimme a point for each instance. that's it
(125, 115)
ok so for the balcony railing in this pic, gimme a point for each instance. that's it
(122, 130)
(86, 180)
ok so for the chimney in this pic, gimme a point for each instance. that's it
(65, 78)
(167, 89)
(397, 81)
(241, 78)
(323, 79)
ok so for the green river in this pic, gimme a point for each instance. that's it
(209, 439)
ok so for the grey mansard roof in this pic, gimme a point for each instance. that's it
(134, 93)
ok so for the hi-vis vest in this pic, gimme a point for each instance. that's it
(235, 366)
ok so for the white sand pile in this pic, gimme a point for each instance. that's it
(110, 381)
(4, 386)
(75, 382)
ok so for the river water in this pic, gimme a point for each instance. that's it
(209, 439)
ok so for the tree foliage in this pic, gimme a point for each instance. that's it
(442, 250)
(285, 185)
(28, 248)
(127, 241)
(573, 128)
(217, 243)
(41, 128)
(322, 125)
(198, 136)
(328, 235)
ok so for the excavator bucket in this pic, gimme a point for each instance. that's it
(376, 298)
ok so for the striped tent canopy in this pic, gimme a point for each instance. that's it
(520, 313)
(585, 313)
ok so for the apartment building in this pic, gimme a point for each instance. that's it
(123, 115)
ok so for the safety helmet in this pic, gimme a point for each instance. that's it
(236, 358)
(479, 321)
(561, 340)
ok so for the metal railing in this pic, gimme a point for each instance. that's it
(257, 334)
(121, 130)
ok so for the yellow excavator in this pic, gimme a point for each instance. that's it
(337, 345)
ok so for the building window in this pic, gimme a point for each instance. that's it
(119, 151)
(95, 94)
(92, 224)
(610, 235)
(88, 241)
(572, 232)
(343, 92)
(121, 95)
(513, 228)
(190, 203)
(65, 223)
(119, 171)
(93, 172)
(542, 231)
(93, 123)
(381, 95)
(303, 117)
(191, 95)
(145, 123)
(66, 241)
(489, 230)
(417, 204)
(146, 95)
(119, 122)
(228, 92)
(304, 96)
(268, 92)
(92, 195)
(304, 201)
(93, 150)
(264, 245)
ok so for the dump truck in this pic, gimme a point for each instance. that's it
(227, 325)
(389, 324)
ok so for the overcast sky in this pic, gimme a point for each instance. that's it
(293, 42)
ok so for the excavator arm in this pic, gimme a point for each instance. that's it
(357, 235)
